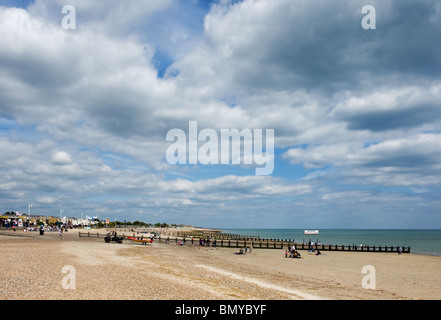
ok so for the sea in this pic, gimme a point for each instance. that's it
(426, 242)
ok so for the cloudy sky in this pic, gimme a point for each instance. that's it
(356, 113)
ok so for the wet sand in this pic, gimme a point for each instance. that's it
(41, 267)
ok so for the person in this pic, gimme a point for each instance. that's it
(286, 253)
(60, 233)
(318, 252)
(400, 250)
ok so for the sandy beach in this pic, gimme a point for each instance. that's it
(42, 267)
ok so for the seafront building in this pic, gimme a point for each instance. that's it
(25, 220)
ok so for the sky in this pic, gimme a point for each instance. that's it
(87, 97)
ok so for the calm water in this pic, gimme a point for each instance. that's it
(420, 241)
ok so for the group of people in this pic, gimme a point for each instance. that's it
(206, 242)
(244, 250)
(292, 253)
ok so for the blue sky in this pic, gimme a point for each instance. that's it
(356, 113)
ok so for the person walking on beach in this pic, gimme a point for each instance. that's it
(60, 234)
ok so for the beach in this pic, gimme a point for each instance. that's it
(43, 267)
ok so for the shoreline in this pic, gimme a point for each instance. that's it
(171, 231)
(130, 271)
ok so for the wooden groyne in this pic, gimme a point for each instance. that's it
(239, 241)
(244, 241)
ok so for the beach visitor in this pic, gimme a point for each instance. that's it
(60, 234)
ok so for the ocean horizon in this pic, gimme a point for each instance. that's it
(420, 241)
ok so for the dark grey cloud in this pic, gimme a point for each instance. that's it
(400, 118)
(322, 47)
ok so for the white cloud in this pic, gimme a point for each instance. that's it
(46, 200)
(61, 158)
